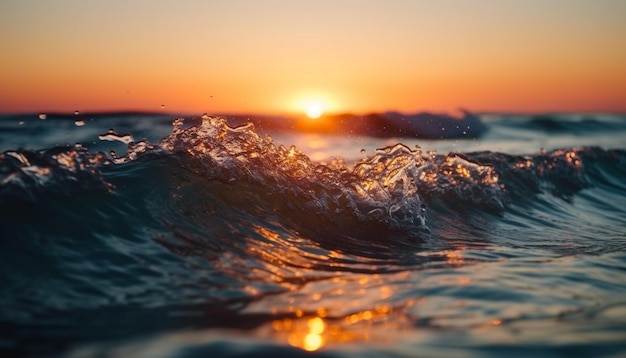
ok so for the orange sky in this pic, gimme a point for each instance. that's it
(275, 56)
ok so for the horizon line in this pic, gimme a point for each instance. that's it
(296, 114)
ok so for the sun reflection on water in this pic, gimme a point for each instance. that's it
(307, 334)
(322, 306)
(314, 332)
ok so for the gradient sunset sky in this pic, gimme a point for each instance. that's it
(276, 56)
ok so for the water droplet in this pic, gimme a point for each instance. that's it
(21, 123)
(112, 136)
(162, 106)
(362, 151)
(43, 116)
(76, 112)
(79, 122)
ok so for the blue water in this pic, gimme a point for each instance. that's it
(146, 235)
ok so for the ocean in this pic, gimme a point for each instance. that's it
(154, 235)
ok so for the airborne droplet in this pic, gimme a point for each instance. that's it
(79, 122)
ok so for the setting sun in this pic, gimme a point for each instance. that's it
(314, 110)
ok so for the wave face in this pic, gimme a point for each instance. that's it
(214, 240)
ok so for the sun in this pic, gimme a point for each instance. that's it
(314, 110)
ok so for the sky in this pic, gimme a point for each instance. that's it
(277, 56)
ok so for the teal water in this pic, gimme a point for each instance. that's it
(195, 238)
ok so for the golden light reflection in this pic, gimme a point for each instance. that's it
(314, 340)
(307, 334)
(464, 281)
(454, 256)
(317, 124)
(340, 309)
(312, 333)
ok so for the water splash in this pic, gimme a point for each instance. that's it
(112, 136)
(387, 181)
(460, 180)
(25, 173)
(391, 187)
(378, 189)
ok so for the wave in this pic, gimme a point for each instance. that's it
(392, 188)
(215, 226)
(564, 124)
(24, 174)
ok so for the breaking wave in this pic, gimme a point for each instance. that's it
(391, 187)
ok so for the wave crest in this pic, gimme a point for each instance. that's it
(461, 180)
(26, 173)
(391, 187)
(381, 189)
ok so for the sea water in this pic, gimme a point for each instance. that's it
(149, 235)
